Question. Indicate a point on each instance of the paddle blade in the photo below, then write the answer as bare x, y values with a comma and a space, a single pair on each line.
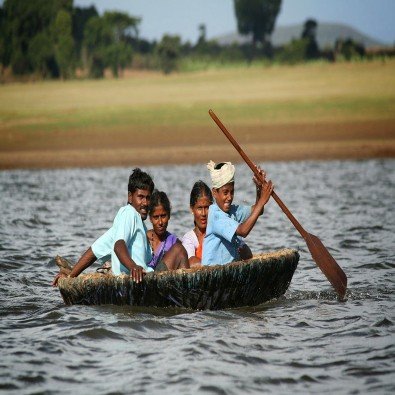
327, 264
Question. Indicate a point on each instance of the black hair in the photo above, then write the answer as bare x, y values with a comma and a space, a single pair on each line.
159, 198
219, 165
140, 180
199, 190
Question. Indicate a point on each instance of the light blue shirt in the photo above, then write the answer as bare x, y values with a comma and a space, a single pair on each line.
128, 226
220, 245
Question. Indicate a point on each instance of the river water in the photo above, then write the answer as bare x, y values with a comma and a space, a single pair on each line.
304, 342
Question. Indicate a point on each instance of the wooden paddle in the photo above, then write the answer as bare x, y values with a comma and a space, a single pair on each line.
320, 254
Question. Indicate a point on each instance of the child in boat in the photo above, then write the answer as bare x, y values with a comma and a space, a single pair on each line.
227, 222
200, 200
161, 241
199, 203
126, 241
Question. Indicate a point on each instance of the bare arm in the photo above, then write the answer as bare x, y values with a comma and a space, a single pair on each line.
194, 261
245, 228
86, 260
259, 185
136, 271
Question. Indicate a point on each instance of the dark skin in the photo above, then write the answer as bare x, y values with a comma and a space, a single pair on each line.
224, 198
160, 220
136, 271
139, 199
176, 257
200, 213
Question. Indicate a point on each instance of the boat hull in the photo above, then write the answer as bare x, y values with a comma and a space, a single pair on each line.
246, 283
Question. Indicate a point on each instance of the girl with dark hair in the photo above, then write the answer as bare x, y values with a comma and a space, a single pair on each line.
160, 239
126, 244
199, 203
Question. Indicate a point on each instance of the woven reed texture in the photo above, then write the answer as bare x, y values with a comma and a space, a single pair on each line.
245, 283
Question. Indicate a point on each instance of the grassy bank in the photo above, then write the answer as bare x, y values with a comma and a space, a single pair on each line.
280, 104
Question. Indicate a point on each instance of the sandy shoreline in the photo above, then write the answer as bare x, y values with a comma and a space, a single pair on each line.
167, 144
304, 112
191, 154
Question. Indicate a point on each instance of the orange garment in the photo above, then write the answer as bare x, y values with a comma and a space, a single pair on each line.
199, 251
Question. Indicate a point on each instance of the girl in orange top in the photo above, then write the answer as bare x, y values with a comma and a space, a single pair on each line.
200, 200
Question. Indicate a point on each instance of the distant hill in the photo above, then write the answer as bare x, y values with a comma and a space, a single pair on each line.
327, 34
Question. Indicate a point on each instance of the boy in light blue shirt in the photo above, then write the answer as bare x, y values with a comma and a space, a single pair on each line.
228, 223
126, 241
128, 225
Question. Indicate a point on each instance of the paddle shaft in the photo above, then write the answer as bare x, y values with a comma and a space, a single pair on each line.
319, 253
252, 166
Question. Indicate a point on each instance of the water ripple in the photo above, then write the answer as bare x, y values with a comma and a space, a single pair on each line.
304, 342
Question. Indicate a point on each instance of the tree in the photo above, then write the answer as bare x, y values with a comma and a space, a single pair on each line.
349, 49
123, 25
64, 44
309, 34
202, 35
41, 54
25, 20
107, 42
294, 52
97, 38
118, 56
4, 46
124, 29
168, 52
302, 49
257, 17
80, 17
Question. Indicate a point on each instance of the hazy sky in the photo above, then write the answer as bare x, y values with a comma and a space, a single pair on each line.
373, 17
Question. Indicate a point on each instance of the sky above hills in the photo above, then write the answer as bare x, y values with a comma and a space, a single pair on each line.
182, 17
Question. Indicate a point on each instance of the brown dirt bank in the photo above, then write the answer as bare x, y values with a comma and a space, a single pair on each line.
164, 145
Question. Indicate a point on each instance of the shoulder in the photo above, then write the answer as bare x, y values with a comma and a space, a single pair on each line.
237, 209
190, 238
127, 216
172, 237
215, 211
127, 210
190, 235
213, 208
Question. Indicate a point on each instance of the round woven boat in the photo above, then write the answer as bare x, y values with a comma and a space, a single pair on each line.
245, 283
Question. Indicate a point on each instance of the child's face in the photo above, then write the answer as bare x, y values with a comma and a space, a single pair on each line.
224, 196
159, 219
140, 199
200, 212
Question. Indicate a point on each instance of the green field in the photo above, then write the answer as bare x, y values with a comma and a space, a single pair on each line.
259, 102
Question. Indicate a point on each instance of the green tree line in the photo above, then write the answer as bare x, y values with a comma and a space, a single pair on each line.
54, 39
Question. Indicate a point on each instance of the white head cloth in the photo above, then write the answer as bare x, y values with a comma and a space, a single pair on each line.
220, 177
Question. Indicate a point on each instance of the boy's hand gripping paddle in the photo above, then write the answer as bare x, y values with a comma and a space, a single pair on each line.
320, 254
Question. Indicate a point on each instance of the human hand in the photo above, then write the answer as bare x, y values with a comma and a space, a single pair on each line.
136, 273
266, 191
56, 279
259, 182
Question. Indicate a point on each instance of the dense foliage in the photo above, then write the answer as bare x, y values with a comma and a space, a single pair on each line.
257, 17
54, 39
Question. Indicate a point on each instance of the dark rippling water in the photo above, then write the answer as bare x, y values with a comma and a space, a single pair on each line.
304, 342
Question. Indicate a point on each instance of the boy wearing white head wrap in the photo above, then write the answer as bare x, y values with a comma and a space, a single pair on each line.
221, 174
227, 223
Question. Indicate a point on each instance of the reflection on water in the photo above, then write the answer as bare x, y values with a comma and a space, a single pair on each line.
305, 342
